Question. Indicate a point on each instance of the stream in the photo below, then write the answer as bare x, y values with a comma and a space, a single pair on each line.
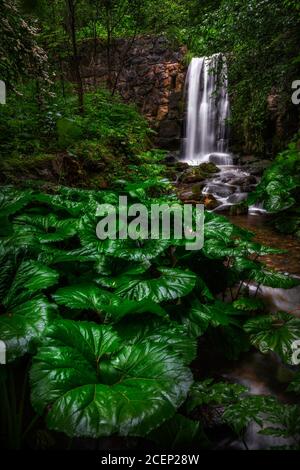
204, 149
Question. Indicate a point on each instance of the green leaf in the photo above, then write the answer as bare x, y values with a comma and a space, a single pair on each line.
30, 277
250, 409
286, 419
274, 332
85, 297
89, 385
159, 332
171, 284
51, 255
248, 304
46, 228
216, 314
180, 432
61, 203
92, 297
207, 392
13, 200
131, 250
22, 326
120, 308
272, 279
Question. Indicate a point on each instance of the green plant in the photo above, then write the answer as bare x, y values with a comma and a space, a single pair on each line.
279, 190
126, 312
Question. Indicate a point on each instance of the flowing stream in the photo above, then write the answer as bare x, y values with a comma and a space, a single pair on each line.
206, 140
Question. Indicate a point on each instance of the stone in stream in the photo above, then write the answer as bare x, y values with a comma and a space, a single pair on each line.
219, 190
210, 202
208, 168
194, 174
197, 190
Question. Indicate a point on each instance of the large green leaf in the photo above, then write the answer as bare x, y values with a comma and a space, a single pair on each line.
92, 297
61, 203
283, 421
160, 332
216, 248
272, 279
218, 227
169, 284
30, 277
275, 332
91, 386
22, 326
50, 255
219, 313
46, 228
85, 297
12, 200
131, 250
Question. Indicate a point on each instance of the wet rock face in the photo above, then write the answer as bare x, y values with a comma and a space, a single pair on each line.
150, 74
254, 165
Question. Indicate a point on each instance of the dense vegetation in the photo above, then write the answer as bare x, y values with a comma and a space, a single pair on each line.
279, 190
109, 328
107, 338
261, 49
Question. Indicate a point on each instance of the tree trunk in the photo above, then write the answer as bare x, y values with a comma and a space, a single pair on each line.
75, 58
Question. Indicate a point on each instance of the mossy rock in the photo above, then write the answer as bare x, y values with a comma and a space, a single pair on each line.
192, 175
181, 166
208, 168
210, 202
197, 189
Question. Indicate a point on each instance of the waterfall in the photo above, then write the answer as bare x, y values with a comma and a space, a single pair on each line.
207, 111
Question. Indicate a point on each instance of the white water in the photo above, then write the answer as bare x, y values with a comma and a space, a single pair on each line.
207, 130
207, 111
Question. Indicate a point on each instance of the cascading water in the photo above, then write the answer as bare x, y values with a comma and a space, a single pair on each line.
207, 130
207, 111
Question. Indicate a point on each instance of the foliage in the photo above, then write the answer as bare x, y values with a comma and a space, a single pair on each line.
262, 56
207, 392
28, 126
279, 190
132, 389
274, 333
126, 312
20, 52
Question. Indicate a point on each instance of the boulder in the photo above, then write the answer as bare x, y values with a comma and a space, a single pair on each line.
181, 166
208, 168
210, 202
197, 190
